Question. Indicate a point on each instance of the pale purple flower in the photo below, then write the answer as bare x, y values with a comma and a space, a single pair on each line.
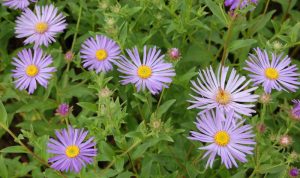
63, 110
40, 27
17, 4
32, 67
275, 74
72, 152
225, 91
152, 72
236, 3
225, 137
99, 53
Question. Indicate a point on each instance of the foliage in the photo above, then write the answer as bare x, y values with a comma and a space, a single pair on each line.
139, 134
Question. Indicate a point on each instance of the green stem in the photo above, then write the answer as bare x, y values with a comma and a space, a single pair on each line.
77, 27
266, 7
226, 43
286, 13
124, 153
66, 76
16, 139
160, 98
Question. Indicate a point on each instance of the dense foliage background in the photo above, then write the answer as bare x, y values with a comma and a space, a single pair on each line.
139, 134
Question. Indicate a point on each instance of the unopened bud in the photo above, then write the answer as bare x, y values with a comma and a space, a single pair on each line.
69, 56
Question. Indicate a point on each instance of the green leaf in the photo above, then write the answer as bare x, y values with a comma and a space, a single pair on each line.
107, 153
217, 11
164, 107
126, 174
14, 149
3, 168
88, 106
140, 150
237, 44
45, 105
140, 97
147, 165
3, 114
119, 164
268, 168
260, 22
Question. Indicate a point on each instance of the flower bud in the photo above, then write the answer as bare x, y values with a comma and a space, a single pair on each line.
261, 128
265, 98
105, 92
285, 140
69, 56
174, 54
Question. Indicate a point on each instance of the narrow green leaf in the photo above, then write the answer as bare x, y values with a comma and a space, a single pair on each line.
88, 106
3, 168
164, 107
237, 44
140, 97
3, 114
268, 168
260, 22
217, 11
14, 149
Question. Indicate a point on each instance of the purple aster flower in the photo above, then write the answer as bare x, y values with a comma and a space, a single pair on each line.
32, 66
63, 110
225, 91
294, 172
40, 27
151, 73
17, 4
275, 74
71, 151
236, 3
227, 138
99, 53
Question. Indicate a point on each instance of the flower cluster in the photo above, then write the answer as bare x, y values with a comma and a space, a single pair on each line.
40, 27
224, 98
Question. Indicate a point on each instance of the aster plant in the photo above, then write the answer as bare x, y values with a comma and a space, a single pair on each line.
99, 53
32, 67
225, 91
17, 4
40, 26
152, 72
275, 72
71, 151
225, 137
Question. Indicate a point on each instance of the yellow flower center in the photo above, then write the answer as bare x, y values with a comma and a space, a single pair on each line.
223, 97
32, 70
72, 151
271, 73
144, 72
41, 27
222, 138
101, 54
